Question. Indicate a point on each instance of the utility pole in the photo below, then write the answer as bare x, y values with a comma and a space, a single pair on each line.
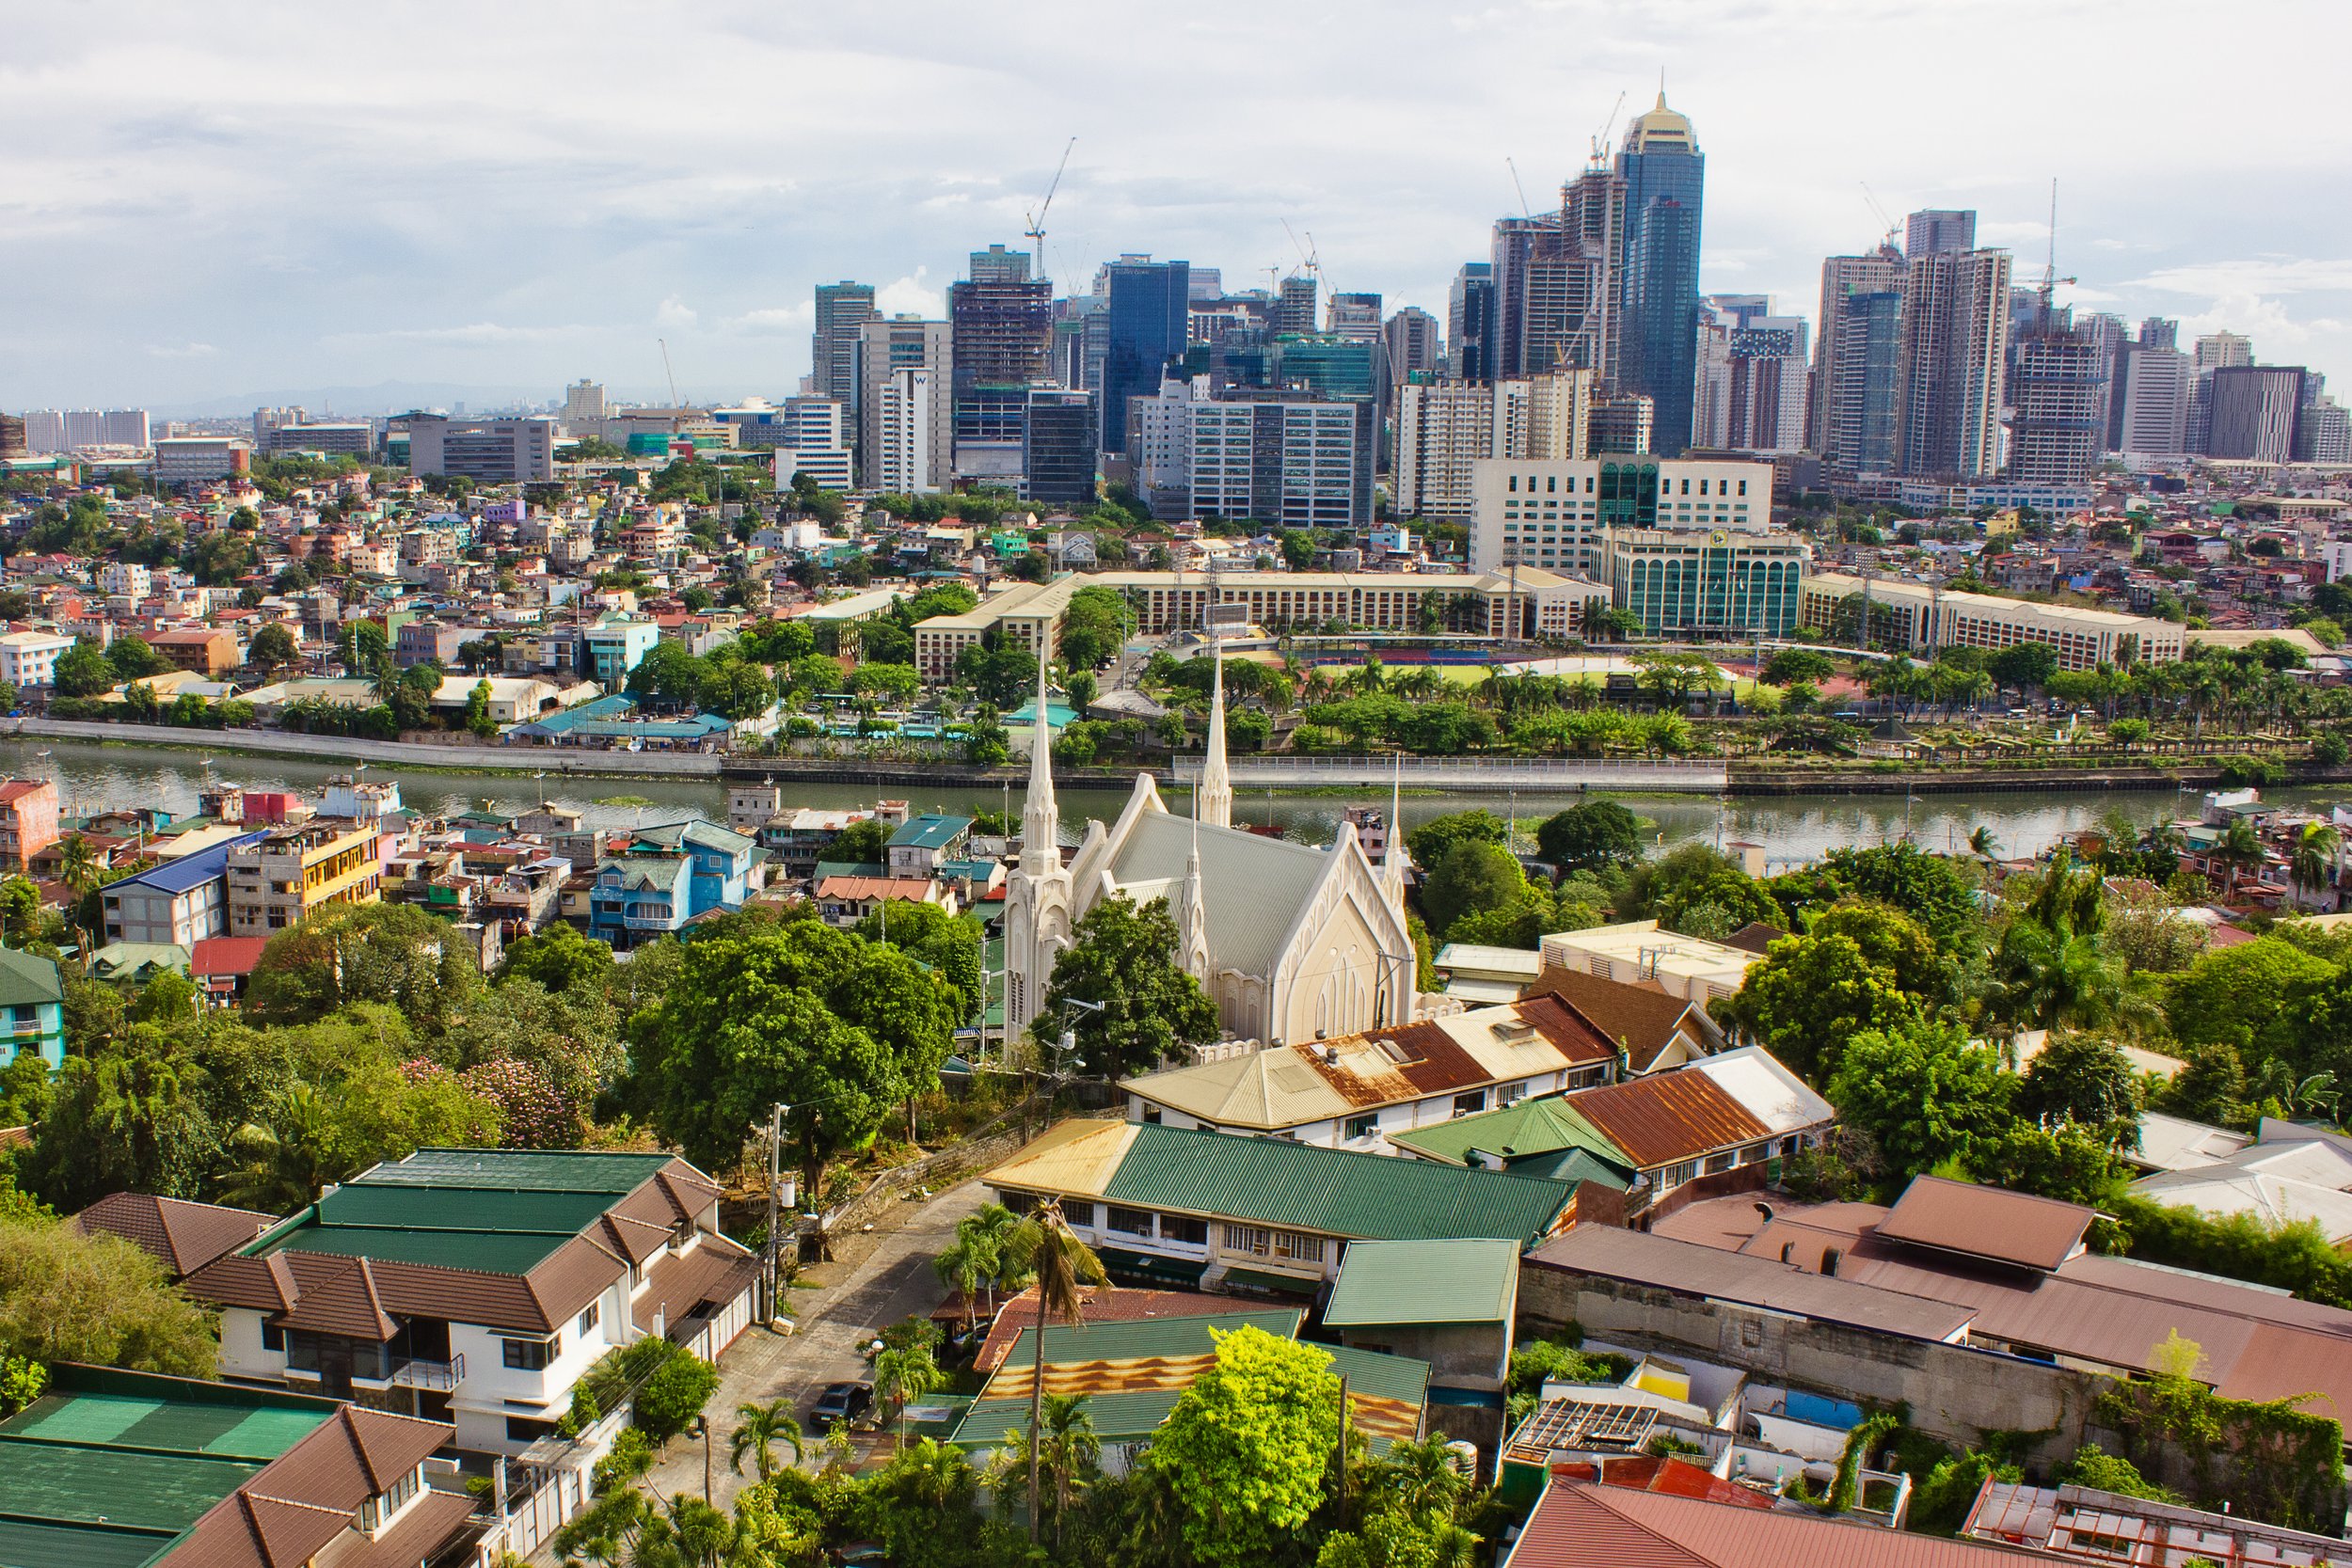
775, 1175
1342, 1446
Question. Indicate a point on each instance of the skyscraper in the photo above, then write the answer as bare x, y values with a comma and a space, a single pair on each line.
1412, 339
2059, 411
2157, 381
1057, 448
1954, 355
1664, 176
1751, 382
1855, 363
1001, 328
2255, 411
1926, 233
1355, 316
843, 309
1150, 323
1470, 323
1294, 307
916, 443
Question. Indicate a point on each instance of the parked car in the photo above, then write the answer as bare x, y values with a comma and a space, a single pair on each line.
840, 1402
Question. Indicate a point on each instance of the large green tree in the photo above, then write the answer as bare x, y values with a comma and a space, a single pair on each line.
836, 1028
1925, 1094
65, 1296
1430, 842
1122, 958
931, 935
1595, 833
1248, 1448
1812, 995
1473, 877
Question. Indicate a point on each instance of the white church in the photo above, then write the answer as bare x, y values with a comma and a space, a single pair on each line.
1291, 942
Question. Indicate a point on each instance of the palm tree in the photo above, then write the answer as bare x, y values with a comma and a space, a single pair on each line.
904, 1375
2312, 866
286, 1162
1071, 1452
1422, 1477
2238, 848
1982, 844
759, 1428
1045, 1243
77, 863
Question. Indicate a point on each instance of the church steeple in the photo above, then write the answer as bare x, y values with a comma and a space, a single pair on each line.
1041, 819
1213, 803
1192, 914
1392, 857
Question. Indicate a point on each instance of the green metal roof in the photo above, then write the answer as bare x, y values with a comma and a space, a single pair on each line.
1377, 1376
1371, 1196
1425, 1282
110, 1470
24, 979
1137, 1338
520, 1170
932, 830
1538, 1126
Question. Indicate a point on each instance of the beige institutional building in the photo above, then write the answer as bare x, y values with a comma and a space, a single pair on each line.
1924, 618
1290, 942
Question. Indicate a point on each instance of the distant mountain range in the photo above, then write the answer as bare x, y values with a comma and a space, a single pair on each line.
387, 397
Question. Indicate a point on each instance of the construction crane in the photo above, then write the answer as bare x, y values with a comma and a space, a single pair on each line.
1886, 224
1307, 257
1513, 168
1036, 231
668, 371
1600, 140
2050, 280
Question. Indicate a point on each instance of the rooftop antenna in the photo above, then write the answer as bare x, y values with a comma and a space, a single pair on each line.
1513, 168
1036, 230
668, 371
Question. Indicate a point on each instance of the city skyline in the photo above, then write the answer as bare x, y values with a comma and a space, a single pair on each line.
250, 212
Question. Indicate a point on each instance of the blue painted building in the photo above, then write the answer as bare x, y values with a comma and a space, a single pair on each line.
666, 876
32, 1008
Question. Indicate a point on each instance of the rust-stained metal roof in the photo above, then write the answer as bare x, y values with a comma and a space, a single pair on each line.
1667, 1118
1990, 1223
1097, 1304
1580, 1525
1679, 1478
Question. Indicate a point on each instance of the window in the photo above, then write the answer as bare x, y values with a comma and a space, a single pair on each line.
531, 1355
1152, 1115
1513, 1093
1131, 1222
524, 1428
1248, 1239
588, 1318
379, 1508
1675, 1176
1470, 1103
1717, 1163
273, 1337
1185, 1228
1360, 1127
1080, 1211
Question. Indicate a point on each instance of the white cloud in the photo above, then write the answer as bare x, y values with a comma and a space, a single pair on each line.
2286, 275
674, 314
181, 351
776, 321
909, 297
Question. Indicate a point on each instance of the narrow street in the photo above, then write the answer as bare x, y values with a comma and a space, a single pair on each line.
876, 1279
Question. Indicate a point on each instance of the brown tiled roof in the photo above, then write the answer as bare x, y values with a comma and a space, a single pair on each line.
566, 1281
716, 1270
311, 1494
1644, 1016
183, 1236
1754, 937
1098, 1304
1668, 1118
342, 1300
1987, 1222
425, 1527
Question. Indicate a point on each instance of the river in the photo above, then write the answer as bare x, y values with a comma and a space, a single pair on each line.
1794, 829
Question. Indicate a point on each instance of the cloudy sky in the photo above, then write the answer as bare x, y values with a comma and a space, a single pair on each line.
203, 203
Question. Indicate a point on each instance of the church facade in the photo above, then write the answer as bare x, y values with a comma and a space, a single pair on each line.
1291, 942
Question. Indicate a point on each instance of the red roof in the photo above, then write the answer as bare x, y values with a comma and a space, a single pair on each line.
225, 956
1642, 1472
1578, 1524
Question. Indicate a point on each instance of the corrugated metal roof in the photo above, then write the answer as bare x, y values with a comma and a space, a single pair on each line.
1666, 1120
1275, 1181
1578, 1523
1425, 1282
1987, 1222
1637, 1258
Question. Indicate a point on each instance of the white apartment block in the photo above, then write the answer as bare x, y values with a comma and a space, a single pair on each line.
1925, 618
492, 451
1444, 428
29, 659
906, 413
1552, 514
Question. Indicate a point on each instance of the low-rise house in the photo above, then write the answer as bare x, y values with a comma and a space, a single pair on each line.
923, 844
721, 863
1480, 976
2082, 1524
1448, 1303
32, 1003
111, 1468
221, 965
843, 902
1712, 1128
1363, 1091
1655, 1029
206, 650
1165, 1206
2280, 1179
29, 820
478, 1285
636, 898
282, 877
1581, 1523
1689, 967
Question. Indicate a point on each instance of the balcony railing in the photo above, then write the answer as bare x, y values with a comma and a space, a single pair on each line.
418, 1372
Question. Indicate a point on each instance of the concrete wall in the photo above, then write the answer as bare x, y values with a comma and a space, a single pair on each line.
1953, 1392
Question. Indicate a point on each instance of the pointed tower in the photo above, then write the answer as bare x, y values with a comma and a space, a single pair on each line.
1213, 801
1038, 894
1393, 858
1192, 915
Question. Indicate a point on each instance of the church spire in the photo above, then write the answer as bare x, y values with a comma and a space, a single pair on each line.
1041, 819
1192, 911
1213, 803
1392, 851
